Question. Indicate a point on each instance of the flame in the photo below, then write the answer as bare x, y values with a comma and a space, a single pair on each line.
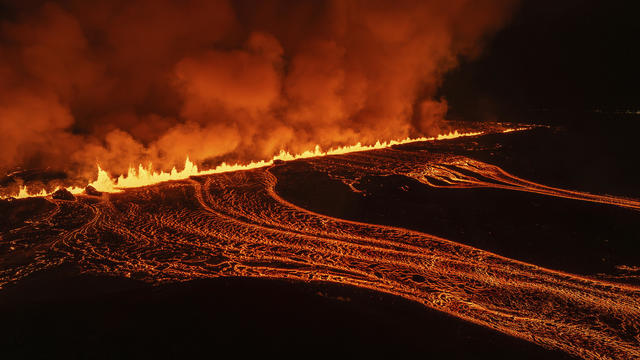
24, 192
146, 176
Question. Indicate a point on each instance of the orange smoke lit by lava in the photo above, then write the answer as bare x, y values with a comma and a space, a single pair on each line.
138, 82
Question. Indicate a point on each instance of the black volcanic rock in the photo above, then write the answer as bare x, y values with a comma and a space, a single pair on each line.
15, 212
96, 315
90, 190
63, 194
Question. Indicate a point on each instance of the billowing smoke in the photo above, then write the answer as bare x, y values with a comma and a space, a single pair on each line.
127, 82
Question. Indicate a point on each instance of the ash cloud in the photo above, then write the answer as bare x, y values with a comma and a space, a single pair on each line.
127, 82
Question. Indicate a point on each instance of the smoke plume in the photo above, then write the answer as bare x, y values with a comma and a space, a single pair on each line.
125, 82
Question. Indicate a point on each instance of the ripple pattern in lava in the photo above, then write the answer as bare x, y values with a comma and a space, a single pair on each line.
237, 224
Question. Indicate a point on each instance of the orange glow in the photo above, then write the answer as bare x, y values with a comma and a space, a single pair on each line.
289, 77
238, 224
143, 176
449, 174
25, 193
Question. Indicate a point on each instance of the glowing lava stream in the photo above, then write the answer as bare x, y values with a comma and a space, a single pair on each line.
448, 174
145, 176
238, 224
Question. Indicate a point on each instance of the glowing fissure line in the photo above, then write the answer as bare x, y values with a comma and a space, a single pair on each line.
146, 176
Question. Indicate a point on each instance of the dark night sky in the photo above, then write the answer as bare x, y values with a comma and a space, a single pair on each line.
568, 56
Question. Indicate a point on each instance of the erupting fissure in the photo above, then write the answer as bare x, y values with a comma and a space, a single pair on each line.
146, 176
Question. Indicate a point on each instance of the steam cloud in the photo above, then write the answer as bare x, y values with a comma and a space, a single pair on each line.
128, 82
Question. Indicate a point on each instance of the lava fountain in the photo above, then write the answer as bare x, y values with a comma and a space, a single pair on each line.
143, 176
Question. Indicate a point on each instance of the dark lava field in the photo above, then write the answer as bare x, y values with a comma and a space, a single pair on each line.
520, 244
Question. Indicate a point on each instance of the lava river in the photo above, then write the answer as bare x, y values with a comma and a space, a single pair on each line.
237, 224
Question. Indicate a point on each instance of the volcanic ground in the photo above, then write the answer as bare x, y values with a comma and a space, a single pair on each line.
497, 245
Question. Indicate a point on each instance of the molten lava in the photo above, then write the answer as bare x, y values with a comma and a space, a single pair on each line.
235, 223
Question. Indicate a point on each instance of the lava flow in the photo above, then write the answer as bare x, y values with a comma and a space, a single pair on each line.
237, 224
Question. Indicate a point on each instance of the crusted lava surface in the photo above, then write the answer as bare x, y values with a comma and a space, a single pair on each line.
347, 252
